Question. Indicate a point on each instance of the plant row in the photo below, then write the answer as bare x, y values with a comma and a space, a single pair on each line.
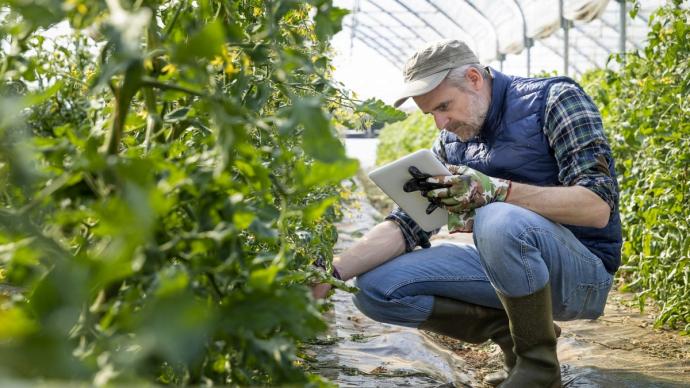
169, 173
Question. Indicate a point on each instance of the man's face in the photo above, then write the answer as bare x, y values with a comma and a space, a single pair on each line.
456, 110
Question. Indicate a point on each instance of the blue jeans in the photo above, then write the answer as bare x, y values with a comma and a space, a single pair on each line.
516, 252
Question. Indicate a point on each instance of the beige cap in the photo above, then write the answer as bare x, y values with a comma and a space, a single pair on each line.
431, 64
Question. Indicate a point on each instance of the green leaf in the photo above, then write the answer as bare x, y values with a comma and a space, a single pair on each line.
171, 281
635, 10
319, 173
314, 211
380, 111
15, 324
263, 278
263, 231
328, 20
242, 219
178, 114
207, 43
37, 98
175, 328
11, 107
318, 138
40, 13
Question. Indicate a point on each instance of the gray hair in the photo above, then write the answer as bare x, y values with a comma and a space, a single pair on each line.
457, 76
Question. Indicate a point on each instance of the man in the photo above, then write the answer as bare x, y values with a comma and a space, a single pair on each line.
534, 176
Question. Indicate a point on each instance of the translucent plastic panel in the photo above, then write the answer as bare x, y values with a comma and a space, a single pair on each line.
507, 21
584, 10
542, 17
470, 25
474, 20
398, 27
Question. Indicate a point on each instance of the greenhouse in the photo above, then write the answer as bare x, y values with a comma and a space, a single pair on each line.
516, 36
321, 193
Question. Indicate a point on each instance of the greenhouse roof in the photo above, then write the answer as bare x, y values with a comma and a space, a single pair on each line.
520, 36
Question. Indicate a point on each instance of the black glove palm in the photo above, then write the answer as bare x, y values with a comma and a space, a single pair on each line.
419, 183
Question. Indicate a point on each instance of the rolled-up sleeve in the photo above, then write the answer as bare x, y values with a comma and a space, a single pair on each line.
414, 235
575, 131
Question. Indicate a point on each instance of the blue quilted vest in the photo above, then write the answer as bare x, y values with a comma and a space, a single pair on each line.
512, 145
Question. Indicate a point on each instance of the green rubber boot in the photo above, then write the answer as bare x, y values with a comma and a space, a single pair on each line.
506, 344
534, 336
479, 324
474, 324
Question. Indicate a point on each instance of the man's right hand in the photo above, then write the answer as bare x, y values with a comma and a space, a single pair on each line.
319, 291
377, 246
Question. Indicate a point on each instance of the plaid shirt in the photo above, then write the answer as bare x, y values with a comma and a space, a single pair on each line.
575, 132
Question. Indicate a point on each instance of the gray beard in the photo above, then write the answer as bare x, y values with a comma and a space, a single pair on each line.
467, 130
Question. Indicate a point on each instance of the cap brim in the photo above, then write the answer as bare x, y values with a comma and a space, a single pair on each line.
420, 86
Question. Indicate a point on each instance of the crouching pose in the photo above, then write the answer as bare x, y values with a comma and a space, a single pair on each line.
533, 179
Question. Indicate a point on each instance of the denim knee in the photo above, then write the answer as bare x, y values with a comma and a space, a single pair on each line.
370, 299
503, 235
497, 226
375, 301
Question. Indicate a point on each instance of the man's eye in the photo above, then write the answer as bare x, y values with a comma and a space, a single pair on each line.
443, 107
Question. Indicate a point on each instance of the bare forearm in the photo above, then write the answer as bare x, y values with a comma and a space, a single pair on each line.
574, 205
379, 245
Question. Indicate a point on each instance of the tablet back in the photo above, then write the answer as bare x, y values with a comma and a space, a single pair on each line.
391, 178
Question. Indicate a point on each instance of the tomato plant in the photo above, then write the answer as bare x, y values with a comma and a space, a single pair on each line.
645, 108
169, 171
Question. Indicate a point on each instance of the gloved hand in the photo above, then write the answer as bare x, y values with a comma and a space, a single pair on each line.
467, 189
460, 193
419, 182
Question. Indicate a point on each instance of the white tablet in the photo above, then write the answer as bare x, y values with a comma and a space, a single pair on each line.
391, 178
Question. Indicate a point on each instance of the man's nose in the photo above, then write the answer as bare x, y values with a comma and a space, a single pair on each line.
441, 120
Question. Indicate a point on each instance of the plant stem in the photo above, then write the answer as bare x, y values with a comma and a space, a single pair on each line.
147, 81
153, 119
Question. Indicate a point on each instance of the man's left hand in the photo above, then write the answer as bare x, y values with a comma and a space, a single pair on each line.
467, 189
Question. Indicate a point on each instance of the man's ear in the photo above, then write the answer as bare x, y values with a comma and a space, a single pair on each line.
474, 78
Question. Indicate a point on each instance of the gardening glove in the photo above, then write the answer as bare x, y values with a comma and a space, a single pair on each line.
467, 189
457, 222
419, 182
461, 193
